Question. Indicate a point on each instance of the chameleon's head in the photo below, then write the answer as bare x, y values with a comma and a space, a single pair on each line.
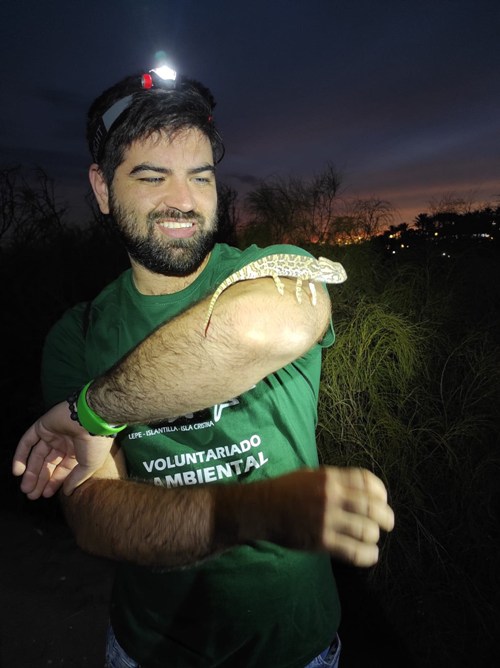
331, 272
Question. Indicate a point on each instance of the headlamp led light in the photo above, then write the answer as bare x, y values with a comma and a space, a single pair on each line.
160, 77
164, 73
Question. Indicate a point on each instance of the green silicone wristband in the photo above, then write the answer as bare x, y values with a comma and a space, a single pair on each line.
90, 421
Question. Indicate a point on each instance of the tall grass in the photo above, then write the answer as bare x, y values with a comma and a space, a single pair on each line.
411, 390
367, 385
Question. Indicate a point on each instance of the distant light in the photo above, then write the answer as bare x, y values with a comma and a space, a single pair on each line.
166, 73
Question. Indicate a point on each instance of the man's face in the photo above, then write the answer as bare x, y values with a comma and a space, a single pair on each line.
163, 200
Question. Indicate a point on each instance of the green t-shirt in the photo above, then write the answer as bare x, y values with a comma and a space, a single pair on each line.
258, 604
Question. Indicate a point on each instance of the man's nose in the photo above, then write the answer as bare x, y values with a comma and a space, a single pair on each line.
179, 196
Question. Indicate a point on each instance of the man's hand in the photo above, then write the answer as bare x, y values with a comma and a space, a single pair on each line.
355, 512
57, 451
338, 510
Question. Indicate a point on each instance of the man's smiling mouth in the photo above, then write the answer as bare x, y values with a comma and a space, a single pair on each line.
176, 225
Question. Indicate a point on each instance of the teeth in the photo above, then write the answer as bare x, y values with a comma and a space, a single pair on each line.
176, 226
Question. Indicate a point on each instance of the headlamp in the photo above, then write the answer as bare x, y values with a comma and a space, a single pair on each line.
160, 77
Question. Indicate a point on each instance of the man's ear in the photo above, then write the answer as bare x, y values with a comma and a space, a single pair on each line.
100, 187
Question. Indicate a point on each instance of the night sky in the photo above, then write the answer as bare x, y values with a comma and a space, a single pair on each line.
403, 98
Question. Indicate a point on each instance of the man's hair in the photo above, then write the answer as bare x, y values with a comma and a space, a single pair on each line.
187, 104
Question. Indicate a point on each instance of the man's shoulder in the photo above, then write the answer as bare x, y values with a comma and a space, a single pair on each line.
76, 317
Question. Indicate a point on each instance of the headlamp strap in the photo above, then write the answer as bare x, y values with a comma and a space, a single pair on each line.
114, 111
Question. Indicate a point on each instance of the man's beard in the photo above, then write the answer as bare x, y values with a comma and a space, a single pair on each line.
174, 257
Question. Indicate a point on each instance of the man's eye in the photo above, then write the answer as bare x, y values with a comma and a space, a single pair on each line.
152, 179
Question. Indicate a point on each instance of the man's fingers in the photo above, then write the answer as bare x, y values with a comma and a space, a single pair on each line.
30, 485
22, 452
356, 511
355, 526
18, 466
44, 460
362, 480
58, 476
360, 492
352, 551
352, 537
35, 471
373, 508
42, 476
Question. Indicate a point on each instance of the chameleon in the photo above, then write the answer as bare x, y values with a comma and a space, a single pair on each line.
301, 267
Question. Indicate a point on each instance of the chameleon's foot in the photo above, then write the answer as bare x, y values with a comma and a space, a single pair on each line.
279, 284
298, 290
312, 288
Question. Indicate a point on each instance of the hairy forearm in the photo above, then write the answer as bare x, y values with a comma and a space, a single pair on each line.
168, 528
178, 369
141, 523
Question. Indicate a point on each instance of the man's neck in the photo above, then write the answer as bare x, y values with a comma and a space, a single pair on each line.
150, 283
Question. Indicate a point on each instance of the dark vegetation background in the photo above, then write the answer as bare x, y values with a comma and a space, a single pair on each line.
410, 390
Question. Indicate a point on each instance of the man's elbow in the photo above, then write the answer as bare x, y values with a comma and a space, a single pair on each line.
324, 313
284, 327
304, 323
